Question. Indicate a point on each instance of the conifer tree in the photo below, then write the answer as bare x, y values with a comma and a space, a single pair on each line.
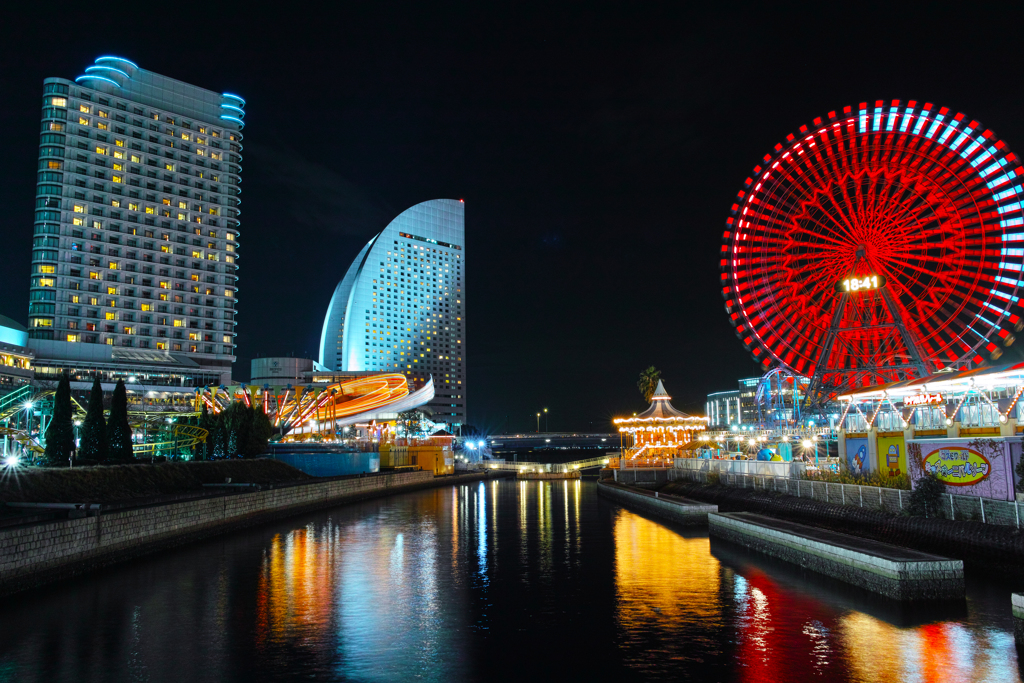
94, 429
204, 451
60, 435
119, 432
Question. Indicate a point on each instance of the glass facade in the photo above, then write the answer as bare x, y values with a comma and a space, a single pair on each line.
401, 306
136, 225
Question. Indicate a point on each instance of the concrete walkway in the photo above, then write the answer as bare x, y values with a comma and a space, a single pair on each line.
673, 508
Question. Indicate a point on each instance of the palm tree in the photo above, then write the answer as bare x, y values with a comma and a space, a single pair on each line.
648, 382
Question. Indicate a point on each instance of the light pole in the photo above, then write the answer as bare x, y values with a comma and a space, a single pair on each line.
546, 420
538, 423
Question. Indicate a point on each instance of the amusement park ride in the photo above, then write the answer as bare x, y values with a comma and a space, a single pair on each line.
879, 244
318, 411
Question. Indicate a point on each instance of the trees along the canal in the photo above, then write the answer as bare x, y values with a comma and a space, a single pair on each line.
204, 450
94, 430
648, 382
240, 431
60, 435
119, 432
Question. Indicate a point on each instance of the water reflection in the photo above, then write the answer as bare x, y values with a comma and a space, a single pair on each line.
490, 581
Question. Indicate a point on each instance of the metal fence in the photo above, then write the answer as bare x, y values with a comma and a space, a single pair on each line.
985, 510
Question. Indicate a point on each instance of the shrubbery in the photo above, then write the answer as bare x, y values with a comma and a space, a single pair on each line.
901, 481
926, 500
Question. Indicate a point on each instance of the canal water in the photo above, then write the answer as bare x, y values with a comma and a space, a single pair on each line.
495, 581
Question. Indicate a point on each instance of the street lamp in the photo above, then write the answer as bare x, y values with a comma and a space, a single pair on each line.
545, 419
538, 423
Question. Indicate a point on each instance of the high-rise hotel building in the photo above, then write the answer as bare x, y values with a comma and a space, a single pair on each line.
136, 221
401, 307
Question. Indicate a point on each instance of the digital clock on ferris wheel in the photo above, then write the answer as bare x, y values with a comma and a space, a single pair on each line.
858, 284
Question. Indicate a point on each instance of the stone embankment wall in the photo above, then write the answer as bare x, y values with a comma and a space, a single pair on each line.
987, 546
972, 508
34, 554
680, 511
897, 573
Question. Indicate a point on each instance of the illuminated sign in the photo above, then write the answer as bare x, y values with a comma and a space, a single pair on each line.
957, 466
856, 284
923, 400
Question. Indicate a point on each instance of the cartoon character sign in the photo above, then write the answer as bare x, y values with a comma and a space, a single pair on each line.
857, 456
892, 455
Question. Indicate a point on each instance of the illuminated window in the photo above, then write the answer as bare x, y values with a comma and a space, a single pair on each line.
228, 292
165, 248
119, 143
136, 159
150, 209
46, 282
211, 245
164, 284
163, 297
93, 301
195, 277
98, 225
78, 208
230, 247
47, 269
101, 125
82, 121
118, 179
74, 299
179, 323
161, 346
182, 217
185, 136
72, 337
129, 330
227, 339
132, 206
201, 152
111, 290
58, 101
112, 303
147, 307
231, 236
54, 165
109, 341
101, 150
111, 315
118, 167
169, 167
42, 322
194, 336
116, 203
112, 265
101, 113
197, 254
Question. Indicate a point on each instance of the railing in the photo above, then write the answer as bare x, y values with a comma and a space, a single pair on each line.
986, 510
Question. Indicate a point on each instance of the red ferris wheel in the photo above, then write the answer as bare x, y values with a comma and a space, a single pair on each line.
883, 243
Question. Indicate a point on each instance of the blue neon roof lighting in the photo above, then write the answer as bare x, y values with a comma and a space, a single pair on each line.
107, 68
117, 59
232, 118
231, 106
96, 78
236, 97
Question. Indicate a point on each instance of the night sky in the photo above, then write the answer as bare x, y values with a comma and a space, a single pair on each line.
597, 146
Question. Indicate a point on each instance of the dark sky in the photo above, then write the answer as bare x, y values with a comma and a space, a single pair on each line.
598, 147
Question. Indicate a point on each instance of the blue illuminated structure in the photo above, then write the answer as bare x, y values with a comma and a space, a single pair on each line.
401, 306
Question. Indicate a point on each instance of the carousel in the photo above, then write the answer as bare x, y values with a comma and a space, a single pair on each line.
659, 434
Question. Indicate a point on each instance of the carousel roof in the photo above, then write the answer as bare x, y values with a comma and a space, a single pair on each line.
661, 409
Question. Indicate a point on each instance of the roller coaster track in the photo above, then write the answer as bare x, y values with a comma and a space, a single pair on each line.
185, 436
